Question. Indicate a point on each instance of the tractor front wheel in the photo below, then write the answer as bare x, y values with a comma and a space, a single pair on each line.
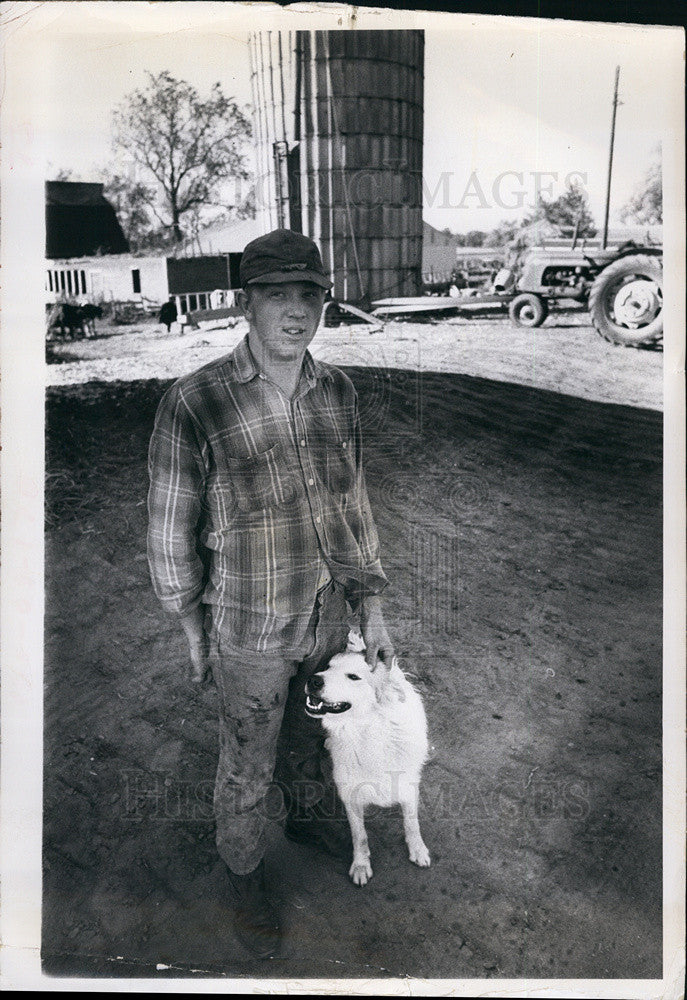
528, 309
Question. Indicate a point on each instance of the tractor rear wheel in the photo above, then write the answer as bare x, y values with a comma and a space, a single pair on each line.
626, 301
527, 309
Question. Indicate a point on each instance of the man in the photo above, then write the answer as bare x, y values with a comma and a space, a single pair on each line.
260, 540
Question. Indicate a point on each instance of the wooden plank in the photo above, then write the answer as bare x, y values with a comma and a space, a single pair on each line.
201, 315
360, 313
435, 303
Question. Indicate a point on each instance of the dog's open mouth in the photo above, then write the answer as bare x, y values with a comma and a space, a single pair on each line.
315, 706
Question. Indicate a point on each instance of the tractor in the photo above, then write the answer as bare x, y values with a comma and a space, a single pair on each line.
622, 287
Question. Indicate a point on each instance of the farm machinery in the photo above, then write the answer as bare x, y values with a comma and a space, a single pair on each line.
622, 287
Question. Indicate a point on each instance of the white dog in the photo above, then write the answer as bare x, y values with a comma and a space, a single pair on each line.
377, 738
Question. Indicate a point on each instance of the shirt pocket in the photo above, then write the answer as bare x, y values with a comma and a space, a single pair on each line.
340, 468
252, 484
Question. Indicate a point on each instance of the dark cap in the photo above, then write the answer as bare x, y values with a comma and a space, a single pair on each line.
281, 256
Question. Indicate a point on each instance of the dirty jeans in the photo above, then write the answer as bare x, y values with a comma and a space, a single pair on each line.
262, 713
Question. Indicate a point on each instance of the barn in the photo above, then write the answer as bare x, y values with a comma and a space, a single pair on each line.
88, 258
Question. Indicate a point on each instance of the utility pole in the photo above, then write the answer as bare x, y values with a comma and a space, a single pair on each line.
604, 241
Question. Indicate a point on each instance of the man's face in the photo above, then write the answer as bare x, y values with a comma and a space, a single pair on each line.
283, 318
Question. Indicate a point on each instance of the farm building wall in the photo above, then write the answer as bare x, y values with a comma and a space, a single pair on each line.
127, 278
338, 119
110, 278
201, 274
438, 254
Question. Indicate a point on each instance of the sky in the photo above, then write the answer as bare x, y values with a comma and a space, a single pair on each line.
511, 105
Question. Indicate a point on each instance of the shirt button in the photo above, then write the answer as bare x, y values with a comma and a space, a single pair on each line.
303, 443
311, 482
344, 444
318, 518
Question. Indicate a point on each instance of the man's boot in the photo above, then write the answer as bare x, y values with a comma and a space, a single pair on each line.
322, 827
256, 923
334, 840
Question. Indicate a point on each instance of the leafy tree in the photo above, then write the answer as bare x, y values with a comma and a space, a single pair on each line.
502, 235
247, 206
568, 210
186, 147
64, 174
475, 238
646, 203
131, 201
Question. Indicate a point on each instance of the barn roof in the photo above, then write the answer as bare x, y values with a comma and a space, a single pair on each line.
80, 221
224, 235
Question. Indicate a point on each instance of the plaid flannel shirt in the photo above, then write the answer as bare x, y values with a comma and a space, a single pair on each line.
251, 493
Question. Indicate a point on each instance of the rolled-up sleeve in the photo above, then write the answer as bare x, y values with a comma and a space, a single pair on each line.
177, 477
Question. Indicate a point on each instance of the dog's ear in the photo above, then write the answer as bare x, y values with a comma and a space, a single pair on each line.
388, 681
355, 642
397, 679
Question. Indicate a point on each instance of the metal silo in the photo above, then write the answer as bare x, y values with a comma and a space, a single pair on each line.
338, 119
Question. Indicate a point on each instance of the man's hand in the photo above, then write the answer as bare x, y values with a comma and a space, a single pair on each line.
375, 636
193, 625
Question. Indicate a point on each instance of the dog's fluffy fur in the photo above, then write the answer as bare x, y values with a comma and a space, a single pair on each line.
377, 738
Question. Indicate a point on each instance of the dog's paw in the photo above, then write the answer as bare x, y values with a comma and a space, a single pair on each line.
419, 855
360, 872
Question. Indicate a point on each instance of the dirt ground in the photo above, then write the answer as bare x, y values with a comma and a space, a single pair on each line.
515, 478
564, 355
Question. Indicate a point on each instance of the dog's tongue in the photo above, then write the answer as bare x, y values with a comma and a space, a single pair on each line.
318, 707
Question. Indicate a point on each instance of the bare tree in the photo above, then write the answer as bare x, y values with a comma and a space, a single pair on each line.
188, 146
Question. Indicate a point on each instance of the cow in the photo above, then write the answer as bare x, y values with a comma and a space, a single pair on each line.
90, 313
74, 320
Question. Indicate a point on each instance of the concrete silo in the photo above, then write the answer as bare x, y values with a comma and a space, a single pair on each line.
338, 119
